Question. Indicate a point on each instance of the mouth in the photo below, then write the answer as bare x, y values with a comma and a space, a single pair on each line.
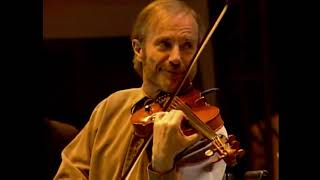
173, 74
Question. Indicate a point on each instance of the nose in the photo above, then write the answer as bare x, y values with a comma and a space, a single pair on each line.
175, 57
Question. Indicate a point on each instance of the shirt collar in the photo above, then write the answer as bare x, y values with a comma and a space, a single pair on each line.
142, 100
139, 101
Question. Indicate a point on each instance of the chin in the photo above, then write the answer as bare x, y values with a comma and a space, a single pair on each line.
168, 84
169, 87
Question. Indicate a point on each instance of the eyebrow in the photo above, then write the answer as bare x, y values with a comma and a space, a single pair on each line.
162, 38
168, 38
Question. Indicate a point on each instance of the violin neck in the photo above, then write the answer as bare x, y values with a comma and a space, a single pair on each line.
194, 120
200, 126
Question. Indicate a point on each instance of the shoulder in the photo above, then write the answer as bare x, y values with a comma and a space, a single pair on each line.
127, 95
121, 97
126, 92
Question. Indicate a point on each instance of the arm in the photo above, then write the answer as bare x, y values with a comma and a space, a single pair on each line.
168, 142
76, 155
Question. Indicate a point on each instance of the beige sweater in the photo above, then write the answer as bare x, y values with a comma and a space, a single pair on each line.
99, 150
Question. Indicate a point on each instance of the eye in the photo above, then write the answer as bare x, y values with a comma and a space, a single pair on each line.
164, 44
187, 46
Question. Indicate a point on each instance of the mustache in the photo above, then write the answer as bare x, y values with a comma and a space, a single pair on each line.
174, 70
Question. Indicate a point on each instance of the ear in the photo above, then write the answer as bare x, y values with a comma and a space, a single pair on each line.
137, 49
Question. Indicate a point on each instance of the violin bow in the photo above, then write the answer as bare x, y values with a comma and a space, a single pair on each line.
197, 54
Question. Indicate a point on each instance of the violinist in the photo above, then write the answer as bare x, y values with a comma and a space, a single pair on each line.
165, 37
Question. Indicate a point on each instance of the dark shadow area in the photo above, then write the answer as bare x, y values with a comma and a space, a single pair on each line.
247, 74
82, 72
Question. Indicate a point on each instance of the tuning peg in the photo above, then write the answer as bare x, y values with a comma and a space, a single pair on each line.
231, 137
235, 144
240, 153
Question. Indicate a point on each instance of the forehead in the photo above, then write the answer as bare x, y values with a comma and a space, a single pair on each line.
173, 24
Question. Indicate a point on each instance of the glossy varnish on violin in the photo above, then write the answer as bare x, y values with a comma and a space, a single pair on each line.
192, 100
202, 118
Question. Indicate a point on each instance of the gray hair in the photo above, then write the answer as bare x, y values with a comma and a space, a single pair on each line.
145, 17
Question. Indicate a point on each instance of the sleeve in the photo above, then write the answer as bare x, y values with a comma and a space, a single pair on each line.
205, 169
170, 175
76, 155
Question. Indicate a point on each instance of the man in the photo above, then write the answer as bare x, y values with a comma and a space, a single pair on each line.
164, 39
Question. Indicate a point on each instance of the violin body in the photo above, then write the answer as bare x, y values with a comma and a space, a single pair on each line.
207, 113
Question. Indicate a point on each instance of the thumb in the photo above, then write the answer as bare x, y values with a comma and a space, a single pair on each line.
193, 138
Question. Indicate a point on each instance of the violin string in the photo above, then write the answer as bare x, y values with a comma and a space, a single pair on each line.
219, 145
179, 105
194, 120
200, 126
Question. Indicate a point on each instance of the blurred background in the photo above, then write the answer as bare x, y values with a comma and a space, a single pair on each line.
87, 56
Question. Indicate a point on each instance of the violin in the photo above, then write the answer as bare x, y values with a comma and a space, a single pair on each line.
202, 117
188, 102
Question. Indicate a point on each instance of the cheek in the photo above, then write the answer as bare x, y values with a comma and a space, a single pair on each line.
187, 58
188, 55
155, 60
150, 66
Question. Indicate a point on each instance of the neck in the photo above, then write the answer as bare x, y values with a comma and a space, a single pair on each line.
150, 91
153, 92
